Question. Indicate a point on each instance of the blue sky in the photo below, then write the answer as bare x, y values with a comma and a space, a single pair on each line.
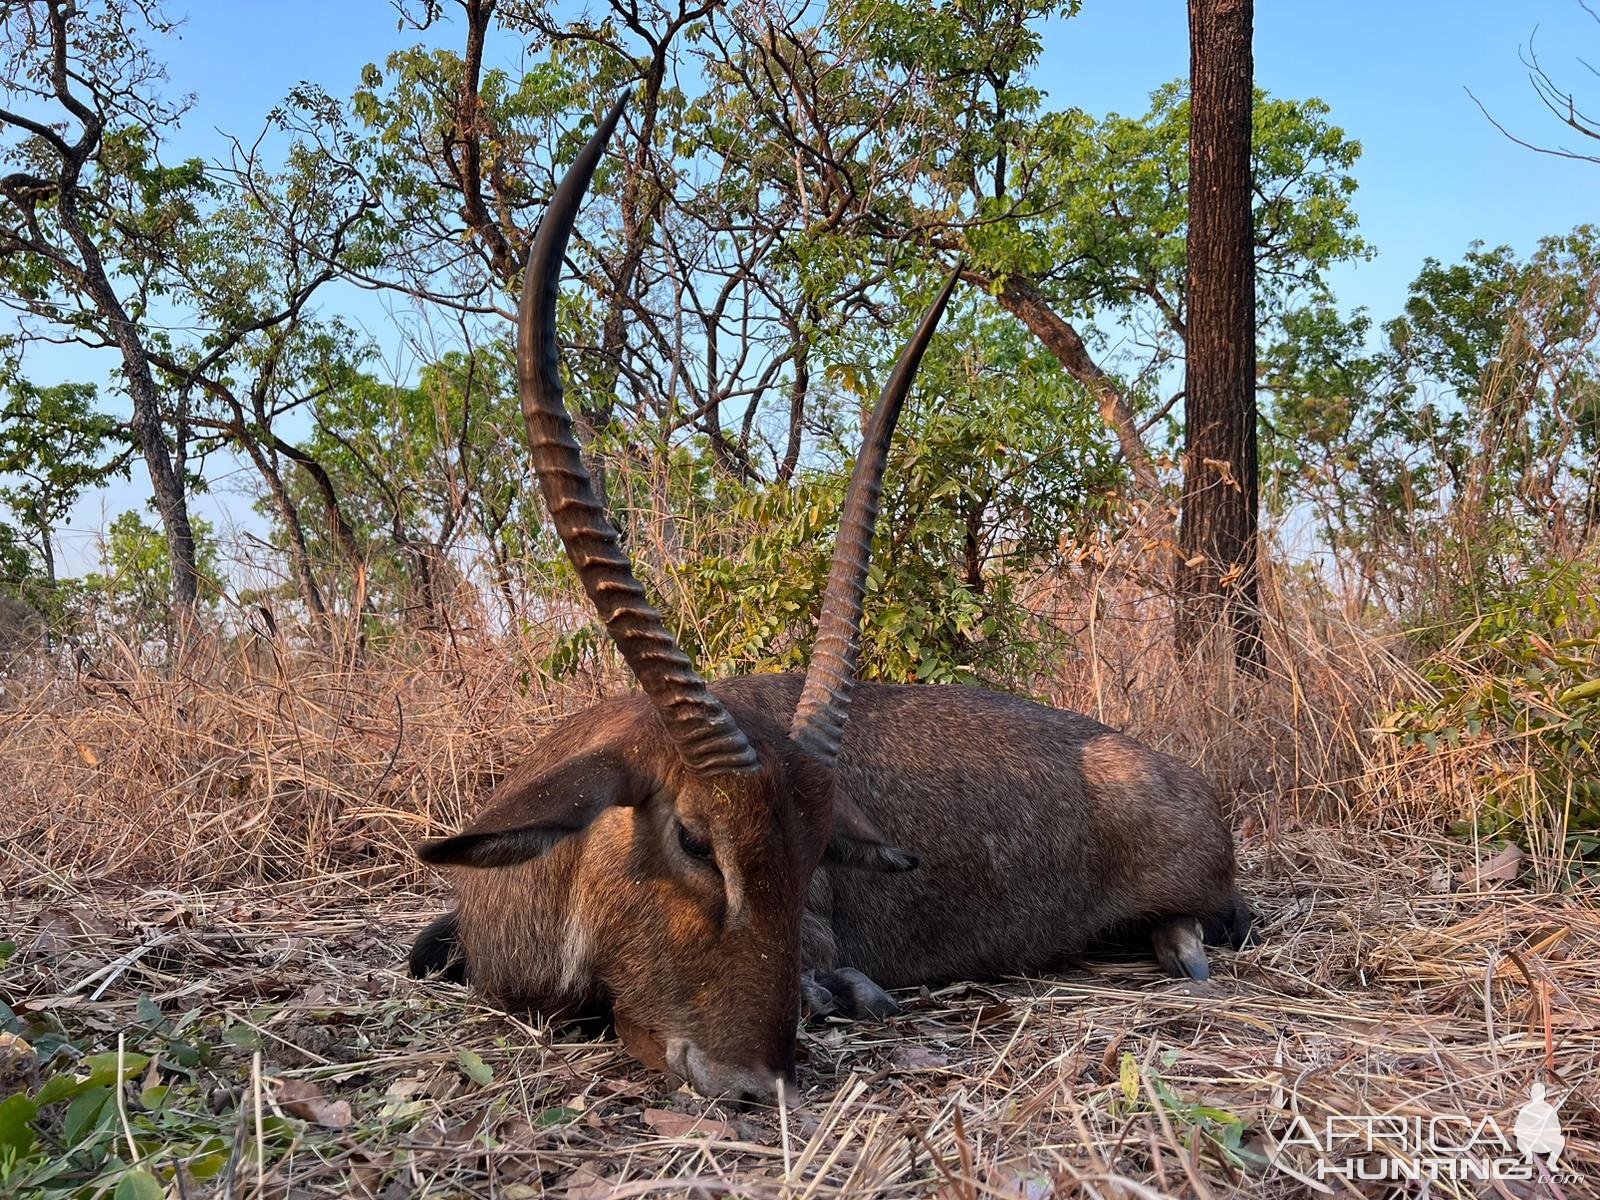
1435, 174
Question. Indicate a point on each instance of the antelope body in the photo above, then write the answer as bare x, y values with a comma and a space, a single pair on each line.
698, 859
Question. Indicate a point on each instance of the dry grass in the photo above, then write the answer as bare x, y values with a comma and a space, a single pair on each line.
231, 845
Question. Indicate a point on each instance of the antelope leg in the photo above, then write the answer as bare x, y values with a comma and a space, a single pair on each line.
845, 993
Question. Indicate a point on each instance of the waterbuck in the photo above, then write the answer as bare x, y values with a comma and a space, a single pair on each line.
700, 858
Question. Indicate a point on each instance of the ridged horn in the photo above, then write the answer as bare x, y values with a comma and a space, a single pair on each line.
707, 738
824, 707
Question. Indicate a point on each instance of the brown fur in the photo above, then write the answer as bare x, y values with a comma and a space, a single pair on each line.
1039, 832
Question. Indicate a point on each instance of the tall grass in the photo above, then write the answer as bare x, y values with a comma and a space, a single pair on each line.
257, 757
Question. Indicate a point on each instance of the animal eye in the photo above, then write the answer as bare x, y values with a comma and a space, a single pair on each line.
694, 847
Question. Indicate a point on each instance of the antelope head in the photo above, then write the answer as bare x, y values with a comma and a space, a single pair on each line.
676, 833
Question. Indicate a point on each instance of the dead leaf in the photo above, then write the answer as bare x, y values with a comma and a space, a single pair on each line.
1032, 1186
643, 1044
1113, 1054
587, 1184
517, 1132
1499, 868
991, 1013
306, 1101
369, 1169
405, 1089
42, 1003
918, 1058
19, 1064
316, 996
462, 1135
175, 916
671, 1124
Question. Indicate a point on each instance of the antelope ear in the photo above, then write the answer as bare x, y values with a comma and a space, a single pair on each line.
533, 810
856, 842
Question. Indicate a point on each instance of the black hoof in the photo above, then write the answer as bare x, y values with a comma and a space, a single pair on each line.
1180, 948
846, 993
436, 954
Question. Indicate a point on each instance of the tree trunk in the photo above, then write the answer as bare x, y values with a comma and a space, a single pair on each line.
47, 552
798, 391
1217, 536
343, 534
299, 553
1021, 297
56, 75
165, 482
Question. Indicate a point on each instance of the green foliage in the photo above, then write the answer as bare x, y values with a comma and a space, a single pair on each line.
55, 445
130, 205
1110, 205
18, 575
1202, 1127
1469, 435
996, 459
65, 1138
1523, 677
416, 467
1455, 316
173, 1101
133, 586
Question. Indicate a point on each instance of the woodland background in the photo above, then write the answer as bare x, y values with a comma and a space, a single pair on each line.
203, 712
788, 189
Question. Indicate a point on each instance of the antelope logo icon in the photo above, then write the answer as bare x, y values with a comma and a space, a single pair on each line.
1538, 1128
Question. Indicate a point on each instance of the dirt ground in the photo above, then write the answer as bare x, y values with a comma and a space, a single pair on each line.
273, 1046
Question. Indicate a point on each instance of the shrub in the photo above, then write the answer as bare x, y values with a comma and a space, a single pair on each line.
1522, 681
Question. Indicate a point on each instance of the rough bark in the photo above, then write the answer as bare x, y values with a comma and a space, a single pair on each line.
148, 435
299, 552
47, 552
1217, 536
798, 390
463, 147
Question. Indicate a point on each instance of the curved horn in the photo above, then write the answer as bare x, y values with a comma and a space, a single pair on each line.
824, 706
707, 738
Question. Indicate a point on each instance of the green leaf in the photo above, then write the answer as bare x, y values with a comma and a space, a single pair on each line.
111, 1067
82, 1114
242, 1036
139, 1184
474, 1068
1583, 691
60, 1087
150, 1015
17, 1137
209, 1163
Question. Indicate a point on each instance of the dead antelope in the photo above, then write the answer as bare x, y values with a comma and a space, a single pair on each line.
699, 858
